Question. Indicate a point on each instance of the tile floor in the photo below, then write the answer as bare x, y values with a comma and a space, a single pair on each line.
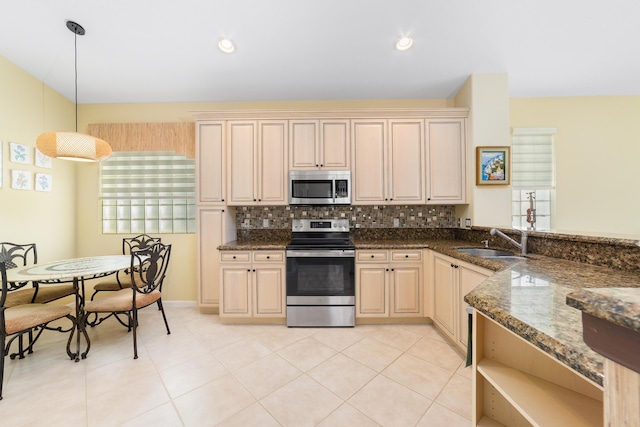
209, 374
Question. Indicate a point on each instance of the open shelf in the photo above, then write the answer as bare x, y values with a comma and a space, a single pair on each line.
489, 422
541, 402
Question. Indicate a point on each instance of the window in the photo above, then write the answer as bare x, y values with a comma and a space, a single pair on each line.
532, 177
147, 192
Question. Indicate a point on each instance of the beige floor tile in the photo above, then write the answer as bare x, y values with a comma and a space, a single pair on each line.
347, 416
254, 415
266, 375
372, 353
418, 375
117, 375
307, 353
339, 338
302, 402
465, 371
421, 329
456, 396
277, 337
395, 336
162, 416
389, 403
191, 374
241, 353
213, 402
342, 375
437, 352
173, 350
439, 416
113, 407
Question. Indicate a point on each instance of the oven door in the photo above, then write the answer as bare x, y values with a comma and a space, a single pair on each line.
320, 277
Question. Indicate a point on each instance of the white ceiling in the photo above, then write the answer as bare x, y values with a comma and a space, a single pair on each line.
166, 50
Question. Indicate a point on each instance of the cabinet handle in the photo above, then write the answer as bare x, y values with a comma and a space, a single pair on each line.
317, 165
223, 200
254, 200
393, 269
259, 200
406, 256
268, 257
234, 257
254, 270
249, 270
321, 165
372, 256
391, 199
428, 198
452, 265
387, 269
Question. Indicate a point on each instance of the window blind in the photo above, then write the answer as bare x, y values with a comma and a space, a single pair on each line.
532, 158
147, 175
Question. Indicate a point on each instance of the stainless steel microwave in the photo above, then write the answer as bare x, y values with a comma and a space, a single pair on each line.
319, 187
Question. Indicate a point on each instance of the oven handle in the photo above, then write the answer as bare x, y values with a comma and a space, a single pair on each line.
328, 253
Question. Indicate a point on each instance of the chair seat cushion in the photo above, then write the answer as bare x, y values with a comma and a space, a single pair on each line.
19, 297
26, 316
48, 293
121, 300
113, 285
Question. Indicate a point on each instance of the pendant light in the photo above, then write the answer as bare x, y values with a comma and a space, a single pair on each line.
73, 145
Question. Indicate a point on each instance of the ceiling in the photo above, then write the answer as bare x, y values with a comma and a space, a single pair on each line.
166, 50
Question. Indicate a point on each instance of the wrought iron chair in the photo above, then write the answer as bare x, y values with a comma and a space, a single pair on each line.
24, 318
147, 272
15, 255
122, 279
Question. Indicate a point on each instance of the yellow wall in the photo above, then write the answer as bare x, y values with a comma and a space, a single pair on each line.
597, 160
27, 108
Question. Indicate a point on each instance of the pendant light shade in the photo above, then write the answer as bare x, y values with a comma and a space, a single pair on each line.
73, 145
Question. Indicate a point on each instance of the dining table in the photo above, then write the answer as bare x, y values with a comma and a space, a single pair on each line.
77, 271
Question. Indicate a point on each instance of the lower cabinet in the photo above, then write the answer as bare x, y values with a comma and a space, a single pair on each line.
452, 280
389, 283
252, 284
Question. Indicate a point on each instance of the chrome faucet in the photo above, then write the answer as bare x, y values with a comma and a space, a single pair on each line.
486, 243
523, 239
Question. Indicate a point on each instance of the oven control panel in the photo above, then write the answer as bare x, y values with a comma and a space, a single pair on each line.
320, 225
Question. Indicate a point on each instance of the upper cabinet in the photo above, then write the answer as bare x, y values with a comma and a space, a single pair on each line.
446, 161
257, 152
319, 144
388, 161
210, 162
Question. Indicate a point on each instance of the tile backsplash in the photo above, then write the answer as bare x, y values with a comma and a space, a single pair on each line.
376, 216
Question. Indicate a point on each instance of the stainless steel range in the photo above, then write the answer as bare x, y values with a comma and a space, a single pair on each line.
320, 274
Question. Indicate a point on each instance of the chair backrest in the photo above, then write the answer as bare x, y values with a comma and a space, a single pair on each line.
142, 241
3, 296
14, 255
149, 267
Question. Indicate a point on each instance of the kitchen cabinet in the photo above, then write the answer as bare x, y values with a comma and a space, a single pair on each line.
388, 161
210, 162
517, 384
215, 226
452, 280
319, 144
252, 284
257, 153
446, 161
389, 283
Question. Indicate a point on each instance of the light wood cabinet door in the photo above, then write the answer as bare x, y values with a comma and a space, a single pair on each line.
444, 295
271, 176
446, 161
304, 138
406, 284
406, 162
210, 225
241, 151
469, 277
235, 292
210, 162
269, 291
335, 146
368, 153
372, 290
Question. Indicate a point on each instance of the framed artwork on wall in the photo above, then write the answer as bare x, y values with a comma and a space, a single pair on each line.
19, 153
21, 180
493, 165
43, 182
42, 160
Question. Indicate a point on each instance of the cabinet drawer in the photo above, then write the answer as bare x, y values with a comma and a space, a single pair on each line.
233, 256
268, 256
409, 255
374, 256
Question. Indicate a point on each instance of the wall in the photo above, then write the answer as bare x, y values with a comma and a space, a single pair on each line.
27, 108
597, 160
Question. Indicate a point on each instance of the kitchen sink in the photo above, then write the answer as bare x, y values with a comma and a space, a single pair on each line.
488, 253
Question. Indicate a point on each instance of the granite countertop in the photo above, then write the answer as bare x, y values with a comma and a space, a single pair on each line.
620, 306
529, 296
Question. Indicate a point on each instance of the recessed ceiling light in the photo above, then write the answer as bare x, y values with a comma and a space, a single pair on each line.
227, 45
404, 43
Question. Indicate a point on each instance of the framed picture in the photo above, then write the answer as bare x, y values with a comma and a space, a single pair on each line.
21, 180
43, 182
493, 165
42, 160
20, 153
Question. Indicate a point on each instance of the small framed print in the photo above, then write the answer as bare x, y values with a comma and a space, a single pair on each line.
43, 182
493, 165
21, 180
42, 160
20, 153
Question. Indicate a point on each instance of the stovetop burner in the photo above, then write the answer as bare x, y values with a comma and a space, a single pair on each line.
320, 234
